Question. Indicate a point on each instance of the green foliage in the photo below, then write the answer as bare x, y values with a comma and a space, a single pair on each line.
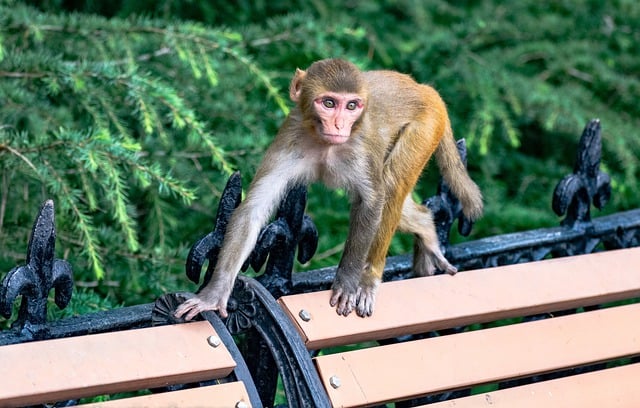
102, 115
132, 124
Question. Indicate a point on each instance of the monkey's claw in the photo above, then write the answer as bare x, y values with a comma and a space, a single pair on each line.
342, 301
194, 306
362, 300
366, 301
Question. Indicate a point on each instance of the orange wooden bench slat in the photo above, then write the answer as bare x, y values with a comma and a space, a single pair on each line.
611, 388
400, 371
445, 301
222, 395
97, 364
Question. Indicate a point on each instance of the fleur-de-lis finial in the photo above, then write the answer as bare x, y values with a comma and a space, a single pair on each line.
208, 247
37, 277
278, 241
574, 194
292, 229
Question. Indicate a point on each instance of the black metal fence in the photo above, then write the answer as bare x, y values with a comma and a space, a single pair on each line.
252, 310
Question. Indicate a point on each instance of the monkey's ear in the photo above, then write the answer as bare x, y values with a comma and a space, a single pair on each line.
296, 85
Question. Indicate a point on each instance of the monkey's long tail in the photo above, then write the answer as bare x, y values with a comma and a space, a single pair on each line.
455, 174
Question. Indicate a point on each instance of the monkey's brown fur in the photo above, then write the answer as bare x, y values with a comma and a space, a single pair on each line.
387, 126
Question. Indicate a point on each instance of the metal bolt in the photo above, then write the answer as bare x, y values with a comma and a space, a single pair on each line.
213, 341
335, 381
304, 315
242, 404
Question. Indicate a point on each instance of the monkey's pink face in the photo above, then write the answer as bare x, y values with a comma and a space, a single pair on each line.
337, 113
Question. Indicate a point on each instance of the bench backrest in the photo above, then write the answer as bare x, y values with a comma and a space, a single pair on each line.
92, 365
428, 366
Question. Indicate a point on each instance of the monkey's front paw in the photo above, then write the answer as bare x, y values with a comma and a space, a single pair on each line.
362, 299
366, 301
196, 305
343, 300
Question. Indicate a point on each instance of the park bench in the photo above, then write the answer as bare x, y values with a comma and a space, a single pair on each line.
538, 333
514, 329
93, 365
595, 343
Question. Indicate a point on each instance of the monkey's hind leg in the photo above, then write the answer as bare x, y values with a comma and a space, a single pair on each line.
427, 256
402, 167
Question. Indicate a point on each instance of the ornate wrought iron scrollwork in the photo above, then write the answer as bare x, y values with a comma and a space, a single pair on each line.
165, 306
242, 308
162, 314
291, 230
36, 278
277, 243
286, 349
574, 194
252, 309
208, 247
622, 238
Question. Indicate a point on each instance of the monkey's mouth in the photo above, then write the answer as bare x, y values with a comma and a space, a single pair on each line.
335, 139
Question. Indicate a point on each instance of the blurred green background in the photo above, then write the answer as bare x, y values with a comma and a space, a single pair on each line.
132, 114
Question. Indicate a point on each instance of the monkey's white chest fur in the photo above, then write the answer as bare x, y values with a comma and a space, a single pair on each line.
336, 167
328, 168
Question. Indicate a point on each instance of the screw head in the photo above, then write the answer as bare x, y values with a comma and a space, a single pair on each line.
304, 315
335, 382
213, 341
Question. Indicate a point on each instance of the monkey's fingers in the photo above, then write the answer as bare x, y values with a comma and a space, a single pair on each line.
346, 305
366, 301
448, 268
186, 309
192, 313
336, 293
193, 307
344, 302
222, 311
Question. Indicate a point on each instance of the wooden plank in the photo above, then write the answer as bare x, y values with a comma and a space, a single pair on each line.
611, 388
61, 369
422, 367
221, 395
445, 301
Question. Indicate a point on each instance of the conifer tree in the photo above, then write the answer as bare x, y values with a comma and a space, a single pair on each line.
132, 124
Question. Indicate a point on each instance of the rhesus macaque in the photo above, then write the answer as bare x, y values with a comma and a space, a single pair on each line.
370, 133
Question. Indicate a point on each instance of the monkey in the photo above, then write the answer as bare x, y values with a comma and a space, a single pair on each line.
370, 133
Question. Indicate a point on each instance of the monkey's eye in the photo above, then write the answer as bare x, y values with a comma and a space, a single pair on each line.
329, 103
352, 105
